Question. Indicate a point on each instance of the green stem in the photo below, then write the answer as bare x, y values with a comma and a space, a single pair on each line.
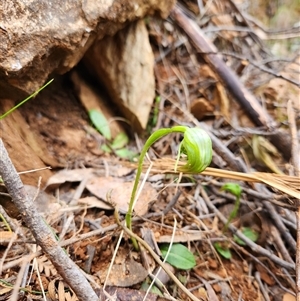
233, 213
23, 101
151, 140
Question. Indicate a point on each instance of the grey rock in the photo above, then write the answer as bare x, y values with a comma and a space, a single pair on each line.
39, 38
125, 64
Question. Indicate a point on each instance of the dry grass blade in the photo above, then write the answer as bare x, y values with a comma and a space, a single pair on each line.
284, 183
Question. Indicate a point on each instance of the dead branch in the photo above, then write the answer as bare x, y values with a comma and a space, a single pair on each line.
229, 79
255, 247
296, 164
41, 232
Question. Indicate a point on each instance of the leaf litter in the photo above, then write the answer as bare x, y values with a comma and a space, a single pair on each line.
248, 274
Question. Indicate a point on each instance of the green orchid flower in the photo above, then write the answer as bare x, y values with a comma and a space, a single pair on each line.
196, 145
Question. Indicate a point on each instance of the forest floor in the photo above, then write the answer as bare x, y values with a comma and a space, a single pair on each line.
87, 183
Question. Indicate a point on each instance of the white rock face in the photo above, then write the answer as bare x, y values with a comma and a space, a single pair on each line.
125, 64
39, 38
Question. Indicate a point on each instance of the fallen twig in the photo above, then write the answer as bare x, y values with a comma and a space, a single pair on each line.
157, 259
41, 232
247, 100
296, 164
255, 247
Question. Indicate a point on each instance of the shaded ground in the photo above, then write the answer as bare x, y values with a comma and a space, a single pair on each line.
188, 88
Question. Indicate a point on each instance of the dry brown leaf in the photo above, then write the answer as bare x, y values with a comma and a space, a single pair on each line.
65, 175
52, 290
125, 275
5, 237
183, 237
264, 275
117, 192
288, 297
5, 290
201, 107
94, 202
262, 150
46, 266
223, 100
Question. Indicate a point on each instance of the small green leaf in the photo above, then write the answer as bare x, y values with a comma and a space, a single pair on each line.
156, 110
182, 278
233, 188
249, 233
154, 289
125, 153
179, 256
120, 141
236, 190
100, 123
106, 148
223, 251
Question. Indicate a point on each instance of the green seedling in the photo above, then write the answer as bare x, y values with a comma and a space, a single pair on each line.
179, 256
154, 115
249, 233
223, 250
197, 146
154, 289
236, 190
100, 123
117, 145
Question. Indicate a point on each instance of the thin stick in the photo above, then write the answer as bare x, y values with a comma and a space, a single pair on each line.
156, 258
111, 265
165, 259
41, 232
296, 163
255, 247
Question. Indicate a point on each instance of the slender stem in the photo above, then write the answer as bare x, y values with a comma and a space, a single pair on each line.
23, 101
233, 213
151, 140
157, 259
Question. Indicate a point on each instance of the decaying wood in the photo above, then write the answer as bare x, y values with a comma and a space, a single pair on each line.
41, 232
229, 79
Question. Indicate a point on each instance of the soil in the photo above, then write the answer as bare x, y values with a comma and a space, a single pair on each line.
65, 139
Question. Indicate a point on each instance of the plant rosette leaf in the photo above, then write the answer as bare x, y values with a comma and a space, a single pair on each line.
100, 123
125, 153
249, 233
223, 251
154, 289
120, 141
179, 256
232, 188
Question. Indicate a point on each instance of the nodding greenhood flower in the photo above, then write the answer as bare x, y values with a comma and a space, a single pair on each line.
197, 145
